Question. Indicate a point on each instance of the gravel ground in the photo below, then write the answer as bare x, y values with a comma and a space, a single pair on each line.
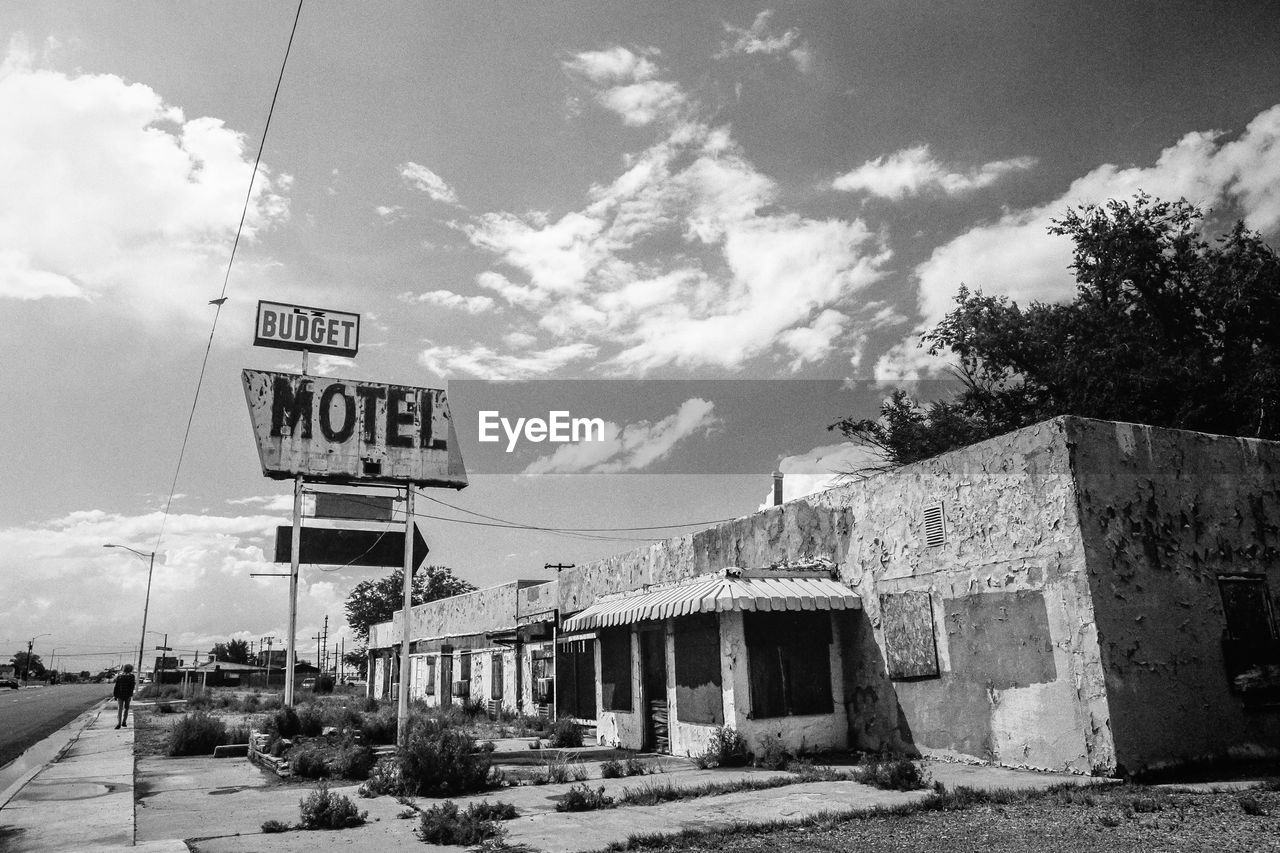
1125, 818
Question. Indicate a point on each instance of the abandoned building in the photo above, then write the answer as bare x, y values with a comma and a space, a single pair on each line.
1077, 595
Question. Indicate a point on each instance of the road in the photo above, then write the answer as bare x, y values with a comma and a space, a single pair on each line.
30, 715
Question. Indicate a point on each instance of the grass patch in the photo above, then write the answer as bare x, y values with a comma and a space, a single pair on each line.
582, 798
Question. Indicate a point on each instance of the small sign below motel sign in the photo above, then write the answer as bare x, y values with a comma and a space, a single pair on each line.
342, 431
298, 327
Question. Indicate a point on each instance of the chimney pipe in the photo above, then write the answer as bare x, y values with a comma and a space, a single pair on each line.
777, 488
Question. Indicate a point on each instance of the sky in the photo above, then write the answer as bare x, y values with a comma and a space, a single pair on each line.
717, 227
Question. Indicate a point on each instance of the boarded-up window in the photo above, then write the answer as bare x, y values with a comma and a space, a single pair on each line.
495, 676
615, 669
429, 676
463, 678
909, 646
699, 698
543, 676
789, 663
1250, 644
576, 679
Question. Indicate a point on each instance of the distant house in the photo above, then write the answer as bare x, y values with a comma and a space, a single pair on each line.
8, 670
1077, 595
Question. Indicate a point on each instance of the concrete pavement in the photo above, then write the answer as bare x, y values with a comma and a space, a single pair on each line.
83, 799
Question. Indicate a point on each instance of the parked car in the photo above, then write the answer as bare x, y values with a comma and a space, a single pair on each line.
10, 683
309, 683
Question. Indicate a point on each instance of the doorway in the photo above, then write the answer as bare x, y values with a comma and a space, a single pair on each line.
653, 675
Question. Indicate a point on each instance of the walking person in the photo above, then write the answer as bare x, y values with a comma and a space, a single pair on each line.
123, 693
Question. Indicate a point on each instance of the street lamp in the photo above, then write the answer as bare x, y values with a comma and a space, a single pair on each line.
146, 605
26, 667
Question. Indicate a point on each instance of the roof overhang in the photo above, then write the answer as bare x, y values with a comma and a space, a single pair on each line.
729, 590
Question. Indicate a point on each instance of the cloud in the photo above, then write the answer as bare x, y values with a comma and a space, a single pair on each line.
107, 191
482, 362
389, 212
1015, 256
761, 40
199, 585
913, 171
626, 82
823, 468
421, 178
629, 448
684, 259
449, 299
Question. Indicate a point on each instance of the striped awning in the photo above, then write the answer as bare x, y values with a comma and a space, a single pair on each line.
718, 594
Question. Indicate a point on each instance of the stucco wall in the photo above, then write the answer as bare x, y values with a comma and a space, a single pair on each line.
1164, 512
1013, 546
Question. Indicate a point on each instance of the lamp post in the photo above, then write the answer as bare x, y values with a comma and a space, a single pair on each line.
26, 667
146, 605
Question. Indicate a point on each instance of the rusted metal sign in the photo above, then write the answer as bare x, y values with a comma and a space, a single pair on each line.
338, 430
298, 327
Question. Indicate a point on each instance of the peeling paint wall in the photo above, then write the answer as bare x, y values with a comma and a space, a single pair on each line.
1012, 542
1164, 512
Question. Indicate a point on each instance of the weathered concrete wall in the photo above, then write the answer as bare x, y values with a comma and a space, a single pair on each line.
491, 609
1163, 513
1012, 543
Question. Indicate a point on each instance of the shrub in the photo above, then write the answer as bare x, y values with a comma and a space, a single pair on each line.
323, 809
901, 774
566, 734
200, 701
1251, 805
251, 703
612, 769
275, 826
271, 703
635, 767
324, 684
581, 798
441, 763
379, 727
196, 733
164, 708
371, 705
353, 761
310, 720
237, 734
284, 723
772, 754
727, 748
345, 718
487, 746
308, 762
560, 769
444, 824
384, 778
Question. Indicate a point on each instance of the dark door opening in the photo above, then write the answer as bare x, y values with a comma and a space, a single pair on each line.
653, 668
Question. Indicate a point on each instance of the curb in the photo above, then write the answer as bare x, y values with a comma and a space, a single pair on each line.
71, 731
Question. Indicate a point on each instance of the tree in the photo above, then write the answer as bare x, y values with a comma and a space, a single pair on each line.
371, 602
232, 651
1166, 329
358, 659
28, 666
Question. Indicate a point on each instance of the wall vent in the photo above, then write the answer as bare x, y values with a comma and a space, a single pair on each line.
935, 526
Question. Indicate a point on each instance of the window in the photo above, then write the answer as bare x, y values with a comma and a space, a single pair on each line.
699, 698
1250, 644
789, 663
495, 676
615, 669
908, 635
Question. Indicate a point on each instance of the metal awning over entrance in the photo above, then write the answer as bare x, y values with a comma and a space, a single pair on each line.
732, 589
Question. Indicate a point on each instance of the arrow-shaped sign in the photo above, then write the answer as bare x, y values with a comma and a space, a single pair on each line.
333, 547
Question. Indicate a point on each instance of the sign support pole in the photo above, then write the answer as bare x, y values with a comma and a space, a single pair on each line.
406, 633
291, 658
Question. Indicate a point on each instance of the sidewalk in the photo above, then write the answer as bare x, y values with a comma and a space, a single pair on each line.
83, 799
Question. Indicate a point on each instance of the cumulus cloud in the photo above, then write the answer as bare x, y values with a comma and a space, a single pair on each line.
449, 299
913, 171
684, 259
482, 362
421, 178
627, 82
761, 39
1015, 256
106, 190
632, 447
823, 468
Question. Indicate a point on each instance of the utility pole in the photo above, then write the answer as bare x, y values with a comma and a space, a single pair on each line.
558, 566
324, 646
268, 641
